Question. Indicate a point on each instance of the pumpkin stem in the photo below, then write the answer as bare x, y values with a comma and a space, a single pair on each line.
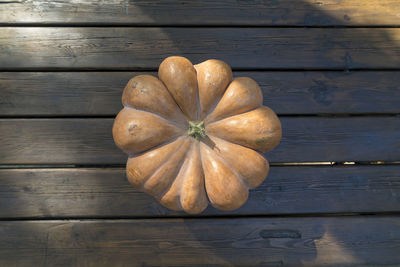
197, 130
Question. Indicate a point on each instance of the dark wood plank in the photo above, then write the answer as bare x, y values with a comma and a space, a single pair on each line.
99, 93
227, 12
244, 48
305, 139
314, 241
91, 193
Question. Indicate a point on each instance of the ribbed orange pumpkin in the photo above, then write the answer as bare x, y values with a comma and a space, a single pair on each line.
193, 136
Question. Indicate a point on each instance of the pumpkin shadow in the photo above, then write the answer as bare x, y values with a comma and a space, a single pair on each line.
206, 140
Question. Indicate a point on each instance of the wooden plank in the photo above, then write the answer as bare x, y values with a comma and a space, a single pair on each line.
99, 93
305, 139
243, 48
227, 12
91, 193
313, 241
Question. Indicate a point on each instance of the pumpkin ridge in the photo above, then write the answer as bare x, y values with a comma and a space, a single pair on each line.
183, 147
238, 83
198, 115
177, 179
244, 178
263, 143
134, 130
174, 123
204, 175
212, 74
165, 160
179, 76
201, 173
212, 108
180, 177
227, 164
236, 143
166, 142
214, 203
227, 117
142, 89
173, 98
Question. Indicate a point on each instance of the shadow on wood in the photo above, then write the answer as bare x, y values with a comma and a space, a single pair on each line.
334, 52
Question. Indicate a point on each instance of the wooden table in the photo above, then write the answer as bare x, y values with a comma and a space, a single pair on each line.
329, 68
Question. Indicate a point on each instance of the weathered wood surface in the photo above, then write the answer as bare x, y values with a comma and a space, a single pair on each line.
305, 139
227, 12
313, 241
99, 93
243, 48
91, 193
63, 48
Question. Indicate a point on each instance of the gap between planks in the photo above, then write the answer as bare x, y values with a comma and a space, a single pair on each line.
273, 164
107, 116
139, 69
187, 25
203, 217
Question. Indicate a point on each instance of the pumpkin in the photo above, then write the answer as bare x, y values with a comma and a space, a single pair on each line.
194, 135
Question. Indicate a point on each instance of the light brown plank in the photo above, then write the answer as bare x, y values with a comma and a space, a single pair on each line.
25, 48
314, 241
227, 12
99, 93
305, 139
91, 193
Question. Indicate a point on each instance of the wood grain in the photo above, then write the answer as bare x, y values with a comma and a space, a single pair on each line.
314, 241
227, 12
91, 193
262, 39
242, 48
305, 139
99, 93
